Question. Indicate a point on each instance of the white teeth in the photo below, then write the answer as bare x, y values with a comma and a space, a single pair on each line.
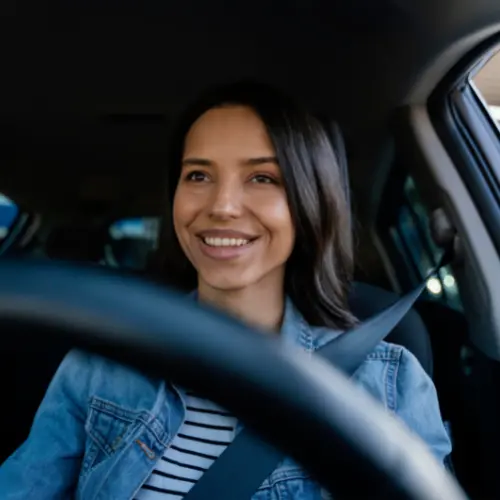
225, 242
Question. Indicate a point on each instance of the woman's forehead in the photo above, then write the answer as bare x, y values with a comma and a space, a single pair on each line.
228, 131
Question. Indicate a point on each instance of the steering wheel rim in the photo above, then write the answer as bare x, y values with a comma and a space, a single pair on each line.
151, 328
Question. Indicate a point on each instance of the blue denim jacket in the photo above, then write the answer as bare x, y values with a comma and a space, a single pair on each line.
102, 427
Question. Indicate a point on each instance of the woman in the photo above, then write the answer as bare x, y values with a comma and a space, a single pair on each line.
258, 225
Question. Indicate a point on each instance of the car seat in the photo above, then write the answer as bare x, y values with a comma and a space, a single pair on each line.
366, 300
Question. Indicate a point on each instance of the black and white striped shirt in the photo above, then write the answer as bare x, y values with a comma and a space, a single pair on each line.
206, 432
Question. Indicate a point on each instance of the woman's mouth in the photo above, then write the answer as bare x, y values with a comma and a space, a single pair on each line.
222, 248
225, 242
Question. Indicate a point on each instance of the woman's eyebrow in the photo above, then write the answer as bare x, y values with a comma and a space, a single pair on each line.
199, 162
261, 160
204, 162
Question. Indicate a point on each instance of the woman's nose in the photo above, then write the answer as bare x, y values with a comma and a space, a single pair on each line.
226, 201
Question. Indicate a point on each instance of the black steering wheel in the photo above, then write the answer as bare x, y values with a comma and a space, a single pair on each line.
339, 433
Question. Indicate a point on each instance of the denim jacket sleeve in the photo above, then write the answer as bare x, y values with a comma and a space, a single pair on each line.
47, 465
417, 405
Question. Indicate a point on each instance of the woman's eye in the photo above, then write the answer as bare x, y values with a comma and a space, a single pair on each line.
196, 176
263, 179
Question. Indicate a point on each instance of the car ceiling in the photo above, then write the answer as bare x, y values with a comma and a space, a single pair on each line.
91, 88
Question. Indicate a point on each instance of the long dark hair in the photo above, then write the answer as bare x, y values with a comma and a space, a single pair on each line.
320, 268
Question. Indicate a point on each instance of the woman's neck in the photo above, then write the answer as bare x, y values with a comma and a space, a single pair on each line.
260, 306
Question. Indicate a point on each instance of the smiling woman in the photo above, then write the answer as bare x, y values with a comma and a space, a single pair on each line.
256, 223
249, 160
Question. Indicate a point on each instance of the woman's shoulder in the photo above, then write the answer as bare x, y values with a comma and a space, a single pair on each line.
77, 359
387, 351
87, 365
85, 375
391, 372
384, 352
406, 362
397, 362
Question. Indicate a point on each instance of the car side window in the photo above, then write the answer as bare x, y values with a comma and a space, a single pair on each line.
409, 232
487, 85
131, 242
8, 215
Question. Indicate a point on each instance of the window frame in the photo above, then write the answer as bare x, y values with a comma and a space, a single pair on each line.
470, 135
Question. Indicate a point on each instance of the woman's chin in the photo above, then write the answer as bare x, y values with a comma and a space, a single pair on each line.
226, 282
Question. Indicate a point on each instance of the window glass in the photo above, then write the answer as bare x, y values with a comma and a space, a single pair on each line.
143, 228
131, 242
408, 227
487, 83
413, 239
8, 214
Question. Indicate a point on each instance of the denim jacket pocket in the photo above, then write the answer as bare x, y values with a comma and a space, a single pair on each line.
108, 427
286, 471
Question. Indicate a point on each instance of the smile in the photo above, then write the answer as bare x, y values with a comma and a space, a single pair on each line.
225, 242
225, 248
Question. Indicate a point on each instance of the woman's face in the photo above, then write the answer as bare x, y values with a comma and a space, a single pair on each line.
231, 213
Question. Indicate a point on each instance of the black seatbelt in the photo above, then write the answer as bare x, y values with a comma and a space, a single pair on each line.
248, 461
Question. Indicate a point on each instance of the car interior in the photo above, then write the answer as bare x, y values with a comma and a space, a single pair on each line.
91, 90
